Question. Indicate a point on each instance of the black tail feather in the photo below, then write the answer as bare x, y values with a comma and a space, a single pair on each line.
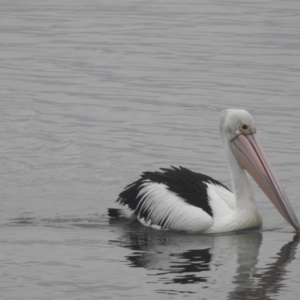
114, 212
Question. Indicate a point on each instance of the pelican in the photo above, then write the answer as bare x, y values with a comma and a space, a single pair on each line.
181, 200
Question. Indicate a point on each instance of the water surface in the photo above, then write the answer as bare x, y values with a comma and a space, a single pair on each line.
93, 94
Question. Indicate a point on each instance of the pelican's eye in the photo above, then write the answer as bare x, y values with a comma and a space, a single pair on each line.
244, 128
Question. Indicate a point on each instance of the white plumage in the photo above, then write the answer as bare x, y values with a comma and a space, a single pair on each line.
173, 210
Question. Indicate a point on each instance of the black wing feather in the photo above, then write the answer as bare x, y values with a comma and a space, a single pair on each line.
187, 184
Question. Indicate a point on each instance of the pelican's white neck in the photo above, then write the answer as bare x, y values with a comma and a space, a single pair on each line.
242, 189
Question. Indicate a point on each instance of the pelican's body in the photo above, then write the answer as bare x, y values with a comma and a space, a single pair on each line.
181, 200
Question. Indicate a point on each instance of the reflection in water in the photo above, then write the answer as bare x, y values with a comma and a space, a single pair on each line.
191, 261
264, 285
194, 261
179, 258
188, 259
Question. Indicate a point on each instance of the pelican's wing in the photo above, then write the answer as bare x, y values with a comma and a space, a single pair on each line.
175, 199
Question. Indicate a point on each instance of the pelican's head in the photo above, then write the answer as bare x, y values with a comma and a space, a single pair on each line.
239, 134
234, 122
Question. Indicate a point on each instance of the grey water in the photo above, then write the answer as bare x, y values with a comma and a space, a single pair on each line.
92, 94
